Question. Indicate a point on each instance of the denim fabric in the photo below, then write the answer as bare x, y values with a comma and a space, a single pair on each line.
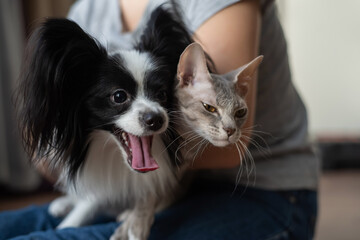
209, 211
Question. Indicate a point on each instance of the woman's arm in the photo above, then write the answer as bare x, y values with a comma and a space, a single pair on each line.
231, 38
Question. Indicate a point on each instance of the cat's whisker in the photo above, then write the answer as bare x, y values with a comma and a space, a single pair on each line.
251, 159
206, 144
177, 138
169, 145
200, 146
188, 139
258, 134
252, 128
263, 150
175, 118
191, 139
248, 161
254, 133
240, 171
247, 155
190, 151
245, 160
185, 142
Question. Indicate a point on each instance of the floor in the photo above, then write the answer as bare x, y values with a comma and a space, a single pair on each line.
339, 201
339, 213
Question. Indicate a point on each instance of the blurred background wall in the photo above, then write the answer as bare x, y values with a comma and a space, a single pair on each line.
17, 18
35, 10
15, 174
324, 48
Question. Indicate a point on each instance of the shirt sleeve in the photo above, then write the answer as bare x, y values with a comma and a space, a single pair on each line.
80, 11
100, 19
196, 12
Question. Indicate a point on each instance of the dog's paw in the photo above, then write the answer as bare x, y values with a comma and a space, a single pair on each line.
123, 216
125, 236
61, 206
135, 226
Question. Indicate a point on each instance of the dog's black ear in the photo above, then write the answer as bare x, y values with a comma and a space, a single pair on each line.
165, 35
60, 65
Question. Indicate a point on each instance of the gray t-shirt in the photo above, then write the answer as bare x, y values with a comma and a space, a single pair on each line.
281, 119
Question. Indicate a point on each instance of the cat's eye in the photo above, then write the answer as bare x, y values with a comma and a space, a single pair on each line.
209, 108
241, 113
119, 96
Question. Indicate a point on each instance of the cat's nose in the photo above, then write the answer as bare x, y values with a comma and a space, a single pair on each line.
229, 131
153, 121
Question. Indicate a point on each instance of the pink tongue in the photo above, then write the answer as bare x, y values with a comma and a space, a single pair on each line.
141, 154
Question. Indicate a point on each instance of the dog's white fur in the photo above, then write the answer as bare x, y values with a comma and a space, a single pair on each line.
137, 63
106, 184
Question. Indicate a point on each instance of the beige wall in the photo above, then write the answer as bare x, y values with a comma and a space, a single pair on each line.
324, 47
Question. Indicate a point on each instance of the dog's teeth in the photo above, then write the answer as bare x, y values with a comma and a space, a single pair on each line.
123, 135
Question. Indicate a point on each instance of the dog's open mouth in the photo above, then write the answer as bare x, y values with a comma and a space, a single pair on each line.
138, 150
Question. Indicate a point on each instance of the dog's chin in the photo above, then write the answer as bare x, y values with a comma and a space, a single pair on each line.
138, 150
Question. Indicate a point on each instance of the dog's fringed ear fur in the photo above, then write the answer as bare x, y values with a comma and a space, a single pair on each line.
165, 35
60, 65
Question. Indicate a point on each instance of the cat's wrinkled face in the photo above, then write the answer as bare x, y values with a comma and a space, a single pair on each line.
213, 109
213, 106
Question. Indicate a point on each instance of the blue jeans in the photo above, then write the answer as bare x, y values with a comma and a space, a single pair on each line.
209, 211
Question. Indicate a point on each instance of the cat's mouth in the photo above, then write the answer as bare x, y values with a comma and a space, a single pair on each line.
138, 150
223, 142
220, 143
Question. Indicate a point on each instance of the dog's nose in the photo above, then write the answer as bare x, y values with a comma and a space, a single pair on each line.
153, 121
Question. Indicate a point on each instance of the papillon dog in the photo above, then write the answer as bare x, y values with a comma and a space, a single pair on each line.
97, 117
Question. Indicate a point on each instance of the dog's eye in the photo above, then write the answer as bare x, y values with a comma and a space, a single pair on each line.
119, 96
241, 113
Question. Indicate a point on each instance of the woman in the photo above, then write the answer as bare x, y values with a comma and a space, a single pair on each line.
281, 202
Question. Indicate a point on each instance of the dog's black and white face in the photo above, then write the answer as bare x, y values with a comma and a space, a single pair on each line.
72, 86
146, 98
131, 101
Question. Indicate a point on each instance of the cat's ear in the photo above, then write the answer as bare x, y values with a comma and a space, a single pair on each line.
244, 74
192, 65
